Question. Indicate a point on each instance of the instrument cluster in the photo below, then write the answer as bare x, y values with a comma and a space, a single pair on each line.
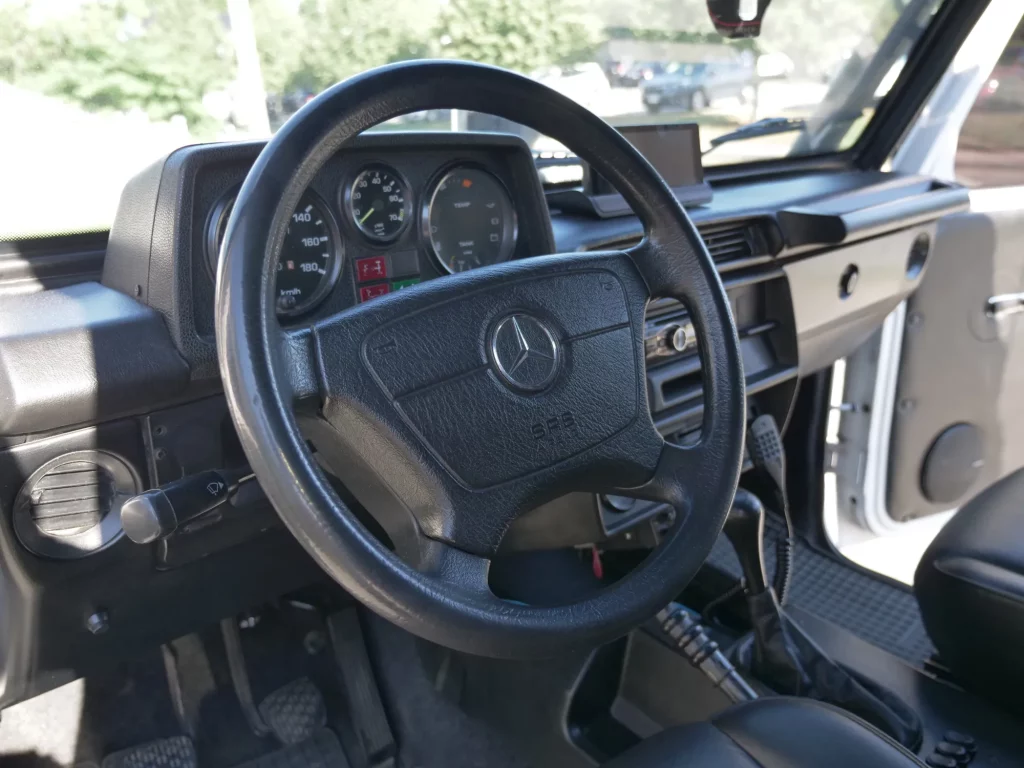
464, 218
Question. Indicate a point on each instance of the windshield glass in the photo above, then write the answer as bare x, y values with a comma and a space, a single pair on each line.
91, 91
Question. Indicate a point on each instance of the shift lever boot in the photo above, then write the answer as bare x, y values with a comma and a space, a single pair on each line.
779, 654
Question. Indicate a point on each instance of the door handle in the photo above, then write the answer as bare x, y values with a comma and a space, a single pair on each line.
1004, 305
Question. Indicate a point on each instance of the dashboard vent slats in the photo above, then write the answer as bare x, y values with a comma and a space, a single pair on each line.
731, 242
736, 245
70, 506
70, 498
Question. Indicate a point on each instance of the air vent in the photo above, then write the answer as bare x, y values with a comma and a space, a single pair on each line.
70, 506
71, 498
734, 242
738, 244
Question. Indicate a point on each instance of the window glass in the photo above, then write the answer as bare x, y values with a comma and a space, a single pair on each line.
91, 91
990, 152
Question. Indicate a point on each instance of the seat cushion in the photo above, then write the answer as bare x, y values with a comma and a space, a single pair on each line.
775, 732
970, 586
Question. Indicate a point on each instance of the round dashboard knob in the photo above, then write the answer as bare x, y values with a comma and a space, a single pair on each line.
619, 503
677, 337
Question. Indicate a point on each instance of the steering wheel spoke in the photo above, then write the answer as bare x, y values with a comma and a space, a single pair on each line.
298, 358
451, 566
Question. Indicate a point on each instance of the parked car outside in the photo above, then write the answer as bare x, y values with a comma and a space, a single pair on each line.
643, 71
585, 83
694, 86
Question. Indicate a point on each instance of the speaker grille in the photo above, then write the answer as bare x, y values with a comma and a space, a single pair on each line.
71, 498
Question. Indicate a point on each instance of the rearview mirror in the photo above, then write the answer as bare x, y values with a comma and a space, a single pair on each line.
737, 18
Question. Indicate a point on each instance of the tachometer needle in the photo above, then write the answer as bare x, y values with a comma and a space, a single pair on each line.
369, 213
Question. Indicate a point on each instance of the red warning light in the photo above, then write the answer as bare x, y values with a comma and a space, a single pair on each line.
291, 265
467, 183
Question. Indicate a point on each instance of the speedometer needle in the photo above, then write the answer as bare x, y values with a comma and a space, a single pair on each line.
369, 213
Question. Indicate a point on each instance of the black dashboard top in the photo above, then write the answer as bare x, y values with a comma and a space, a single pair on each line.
453, 201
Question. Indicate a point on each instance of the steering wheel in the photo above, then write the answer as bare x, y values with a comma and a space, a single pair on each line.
462, 402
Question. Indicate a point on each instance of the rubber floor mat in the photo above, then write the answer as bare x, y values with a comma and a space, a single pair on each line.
321, 751
175, 752
871, 608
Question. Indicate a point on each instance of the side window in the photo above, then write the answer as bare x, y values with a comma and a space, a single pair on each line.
990, 152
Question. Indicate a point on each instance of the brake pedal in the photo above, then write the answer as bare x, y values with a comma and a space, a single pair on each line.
175, 752
294, 712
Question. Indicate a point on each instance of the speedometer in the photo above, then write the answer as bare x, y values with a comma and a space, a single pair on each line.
469, 220
310, 256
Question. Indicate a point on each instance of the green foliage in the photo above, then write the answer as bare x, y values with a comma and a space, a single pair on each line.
523, 35
329, 40
161, 56
16, 41
279, 40
663, 19
343, 37
164, 56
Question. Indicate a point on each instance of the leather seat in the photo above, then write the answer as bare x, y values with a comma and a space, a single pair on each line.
771, 733
970, 586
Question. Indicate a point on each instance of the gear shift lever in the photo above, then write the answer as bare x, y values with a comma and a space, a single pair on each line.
782, 656
745, 530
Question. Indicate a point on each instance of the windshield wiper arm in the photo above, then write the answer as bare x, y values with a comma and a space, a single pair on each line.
768, 126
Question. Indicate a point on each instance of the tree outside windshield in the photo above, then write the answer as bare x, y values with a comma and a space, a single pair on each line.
91, 91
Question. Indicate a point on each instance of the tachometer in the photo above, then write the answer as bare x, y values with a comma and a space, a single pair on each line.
469, 220
310, 256
379, 202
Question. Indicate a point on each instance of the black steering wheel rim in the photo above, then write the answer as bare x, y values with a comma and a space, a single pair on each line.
449, 603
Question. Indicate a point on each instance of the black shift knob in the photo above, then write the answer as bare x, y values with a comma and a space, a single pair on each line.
745, 530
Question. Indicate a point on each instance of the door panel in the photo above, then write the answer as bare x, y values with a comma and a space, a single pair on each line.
958, 425
958, 421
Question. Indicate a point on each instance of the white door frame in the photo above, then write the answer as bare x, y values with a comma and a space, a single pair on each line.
929, 148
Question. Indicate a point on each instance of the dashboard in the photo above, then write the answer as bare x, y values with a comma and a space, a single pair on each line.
111, 371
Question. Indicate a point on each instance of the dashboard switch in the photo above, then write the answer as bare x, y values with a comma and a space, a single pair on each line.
368, 292
400, 284
158, 513
405, 263
372, 268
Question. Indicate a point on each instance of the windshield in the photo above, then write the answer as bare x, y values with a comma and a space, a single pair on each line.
91, 91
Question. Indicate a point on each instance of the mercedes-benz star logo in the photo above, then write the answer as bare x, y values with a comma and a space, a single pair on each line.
525, 352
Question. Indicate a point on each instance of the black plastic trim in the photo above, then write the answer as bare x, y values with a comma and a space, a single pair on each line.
82, 354
670, 422
32, 264
816, 225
